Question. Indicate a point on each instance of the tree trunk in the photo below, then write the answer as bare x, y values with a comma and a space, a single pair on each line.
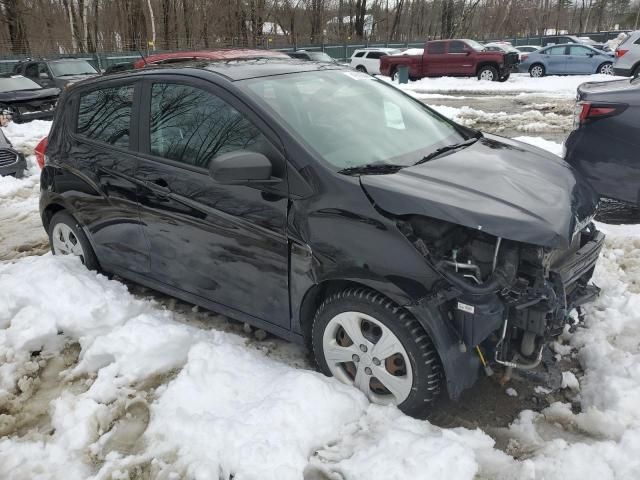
186, 12
17, 29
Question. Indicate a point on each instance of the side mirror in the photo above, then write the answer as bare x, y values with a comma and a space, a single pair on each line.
240, 168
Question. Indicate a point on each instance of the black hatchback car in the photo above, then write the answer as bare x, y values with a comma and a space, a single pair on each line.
406, 250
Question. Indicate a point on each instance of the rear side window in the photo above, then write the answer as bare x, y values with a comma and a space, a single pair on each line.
580, 51
555, 51
435, 47
191, 126
376, 55
104, 115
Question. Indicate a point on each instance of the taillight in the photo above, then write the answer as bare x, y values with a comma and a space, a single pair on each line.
40, 149
620, 52
587, 111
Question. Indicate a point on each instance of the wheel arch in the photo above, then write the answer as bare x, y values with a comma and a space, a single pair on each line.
488, 63
49, 211
610, 62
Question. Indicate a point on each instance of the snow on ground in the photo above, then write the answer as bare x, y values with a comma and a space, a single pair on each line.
21, 231
518, 84
124, 387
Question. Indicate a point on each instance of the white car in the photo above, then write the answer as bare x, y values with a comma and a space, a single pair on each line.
368, 59
528, 48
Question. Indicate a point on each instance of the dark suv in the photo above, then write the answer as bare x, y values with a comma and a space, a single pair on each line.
407, 250
56, 73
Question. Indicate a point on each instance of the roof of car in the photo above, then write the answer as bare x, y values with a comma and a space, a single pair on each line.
217, 54
237, 69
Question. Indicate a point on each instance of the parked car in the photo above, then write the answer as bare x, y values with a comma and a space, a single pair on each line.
559, 40
25, 100
399, 248
12, 162
454, 58
503, 47
528, 48
627, 62
605, 143
311, 56
56, 73
367, 60
570, 59
220, 54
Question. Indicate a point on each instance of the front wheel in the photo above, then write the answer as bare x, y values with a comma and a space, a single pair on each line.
67, 238
606, 69
505, 77
365, 340
488, 73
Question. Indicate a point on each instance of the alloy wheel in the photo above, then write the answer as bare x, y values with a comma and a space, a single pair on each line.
65, 241
486, 75
607, 69
363, 352
536, 71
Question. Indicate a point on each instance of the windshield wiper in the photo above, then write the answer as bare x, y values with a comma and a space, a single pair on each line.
75, 74
447, 148
372, 168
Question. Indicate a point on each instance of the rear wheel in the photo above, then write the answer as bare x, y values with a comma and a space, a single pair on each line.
67, 238
365, 340
537, 70
488, 73
361, 68
505, 77
394, 75
606, 68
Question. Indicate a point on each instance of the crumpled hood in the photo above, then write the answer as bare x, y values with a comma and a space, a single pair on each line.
26, 95
500, 186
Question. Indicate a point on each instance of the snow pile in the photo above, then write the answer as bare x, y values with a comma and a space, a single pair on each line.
530, 121
517, 83
22, 231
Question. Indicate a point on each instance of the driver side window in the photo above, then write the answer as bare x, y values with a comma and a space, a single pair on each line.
192, 126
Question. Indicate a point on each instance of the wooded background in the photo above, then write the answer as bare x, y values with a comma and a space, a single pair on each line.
77, 26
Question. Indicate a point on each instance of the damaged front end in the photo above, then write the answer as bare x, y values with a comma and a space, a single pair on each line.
507, 297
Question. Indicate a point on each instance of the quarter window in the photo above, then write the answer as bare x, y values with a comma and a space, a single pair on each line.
359, 54
191, 126
105, 115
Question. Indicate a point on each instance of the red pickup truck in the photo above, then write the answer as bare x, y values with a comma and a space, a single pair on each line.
453, 58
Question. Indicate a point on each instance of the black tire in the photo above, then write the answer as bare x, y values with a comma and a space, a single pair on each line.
361, 68
394, 75
489, 71
505, 77
88, 258
635, 72
543, 70
426, 368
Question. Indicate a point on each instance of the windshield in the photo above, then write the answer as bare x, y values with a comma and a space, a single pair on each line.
17, 82
320, 57
478, 47
72, 67
351, 119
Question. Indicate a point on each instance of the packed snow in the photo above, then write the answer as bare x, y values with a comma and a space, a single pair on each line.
98, 381
517, 84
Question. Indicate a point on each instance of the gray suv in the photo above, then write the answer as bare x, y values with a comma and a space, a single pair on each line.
56, 73
627, 62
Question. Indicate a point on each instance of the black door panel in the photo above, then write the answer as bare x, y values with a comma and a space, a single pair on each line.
226, 243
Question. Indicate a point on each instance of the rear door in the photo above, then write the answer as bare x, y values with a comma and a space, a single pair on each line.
580, 60
372, 62
97, 174
555, 59
224, 243
434, 62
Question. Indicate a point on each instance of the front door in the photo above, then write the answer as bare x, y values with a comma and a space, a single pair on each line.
459, 60
224, 243
580, 60
434, 62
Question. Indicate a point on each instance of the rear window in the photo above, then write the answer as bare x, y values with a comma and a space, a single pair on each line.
104, 115
435, 47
